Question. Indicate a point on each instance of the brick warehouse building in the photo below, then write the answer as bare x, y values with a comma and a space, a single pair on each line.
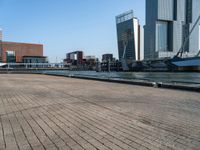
14, 52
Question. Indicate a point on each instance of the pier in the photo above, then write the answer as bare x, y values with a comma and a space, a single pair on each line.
44, 112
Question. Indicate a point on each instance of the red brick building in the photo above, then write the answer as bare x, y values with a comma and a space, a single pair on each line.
18, 50
74, 58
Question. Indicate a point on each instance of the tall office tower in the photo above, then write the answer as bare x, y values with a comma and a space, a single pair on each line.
128, 36
168, 23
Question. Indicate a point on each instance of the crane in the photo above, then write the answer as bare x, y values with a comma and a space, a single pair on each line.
125, 39
124, 62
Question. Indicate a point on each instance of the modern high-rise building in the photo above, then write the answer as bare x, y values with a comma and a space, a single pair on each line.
128, 36
168, 23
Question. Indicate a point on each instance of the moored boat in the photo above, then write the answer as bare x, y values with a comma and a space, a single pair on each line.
184, 64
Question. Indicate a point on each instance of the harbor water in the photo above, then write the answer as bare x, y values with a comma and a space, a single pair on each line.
189, 78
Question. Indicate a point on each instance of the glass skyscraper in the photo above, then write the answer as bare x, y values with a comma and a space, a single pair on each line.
168, 23
128, 37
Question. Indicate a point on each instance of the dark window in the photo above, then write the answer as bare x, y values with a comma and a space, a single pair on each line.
188, 11
10, 57
175, 9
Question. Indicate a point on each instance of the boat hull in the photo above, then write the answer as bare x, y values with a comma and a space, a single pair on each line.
184, 64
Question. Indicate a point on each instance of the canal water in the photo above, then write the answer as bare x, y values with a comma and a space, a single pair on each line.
165, 77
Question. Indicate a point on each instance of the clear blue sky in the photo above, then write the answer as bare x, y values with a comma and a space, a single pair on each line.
66, 25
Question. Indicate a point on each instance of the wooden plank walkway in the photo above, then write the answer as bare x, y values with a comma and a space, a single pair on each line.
47, 112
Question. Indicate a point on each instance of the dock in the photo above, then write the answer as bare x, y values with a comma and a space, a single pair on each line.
43, 112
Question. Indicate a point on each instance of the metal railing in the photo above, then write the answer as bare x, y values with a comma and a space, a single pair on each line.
30, 67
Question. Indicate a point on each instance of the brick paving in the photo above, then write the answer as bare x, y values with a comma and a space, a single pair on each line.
45, 112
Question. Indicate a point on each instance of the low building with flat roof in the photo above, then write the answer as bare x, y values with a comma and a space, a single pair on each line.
14, 51
34, 59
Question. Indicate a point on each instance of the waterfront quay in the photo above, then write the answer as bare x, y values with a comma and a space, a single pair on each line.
49, 112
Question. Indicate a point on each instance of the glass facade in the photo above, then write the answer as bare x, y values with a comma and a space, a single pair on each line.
199, 37
161, 36
34, 59
10, 57
125, 34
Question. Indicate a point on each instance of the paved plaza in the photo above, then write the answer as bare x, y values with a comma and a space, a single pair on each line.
46, 112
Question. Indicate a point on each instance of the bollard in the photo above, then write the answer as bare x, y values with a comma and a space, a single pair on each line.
155, 85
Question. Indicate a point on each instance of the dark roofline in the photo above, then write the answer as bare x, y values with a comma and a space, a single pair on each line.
36, 56
108, 54
75, 52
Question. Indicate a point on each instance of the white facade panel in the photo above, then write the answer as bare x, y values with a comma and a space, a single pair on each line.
194, 38
136, 35
165, 10
181, 10
141, 43
177, 36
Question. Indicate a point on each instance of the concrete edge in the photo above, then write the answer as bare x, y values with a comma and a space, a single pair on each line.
181, 87
148, 84
139, 83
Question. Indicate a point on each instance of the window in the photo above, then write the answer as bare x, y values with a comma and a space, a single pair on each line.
199, 37
175, 9
161, 36
10, 56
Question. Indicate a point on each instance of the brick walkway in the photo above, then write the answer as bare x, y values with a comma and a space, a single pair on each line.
46, 112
